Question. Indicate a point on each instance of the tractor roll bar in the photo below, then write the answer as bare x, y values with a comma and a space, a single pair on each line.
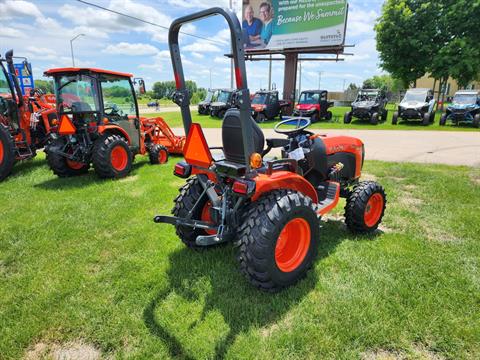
240, 72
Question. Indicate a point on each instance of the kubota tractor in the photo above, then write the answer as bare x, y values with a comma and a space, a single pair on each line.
25, 121
270, 209
99, 124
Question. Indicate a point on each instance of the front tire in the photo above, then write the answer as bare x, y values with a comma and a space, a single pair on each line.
476, 121
184, 202
347, 118
60, 165
374, 119
426, 119
278, 239
112, 158
7, 152
315, 117
365, 207
395, 118
158, 154
443, 120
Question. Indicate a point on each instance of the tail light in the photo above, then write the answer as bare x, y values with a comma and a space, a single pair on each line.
182, 170
243, 187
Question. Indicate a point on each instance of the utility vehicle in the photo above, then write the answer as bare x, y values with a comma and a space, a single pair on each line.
99, 124
269, 208
25, 121
267, 106
416, 104
465, 107
224, 101
369, 106
204, 105
314, 104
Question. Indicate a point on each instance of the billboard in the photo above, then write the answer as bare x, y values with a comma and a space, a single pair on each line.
25, 77
276, 25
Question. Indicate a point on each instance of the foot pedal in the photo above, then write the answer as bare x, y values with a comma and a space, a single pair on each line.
331, 200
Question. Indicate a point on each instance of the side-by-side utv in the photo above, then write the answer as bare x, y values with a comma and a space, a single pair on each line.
465, 108
417, 104
225, 100
267, 106
204, 105
99, 124
370, 105
270, 208
314, 104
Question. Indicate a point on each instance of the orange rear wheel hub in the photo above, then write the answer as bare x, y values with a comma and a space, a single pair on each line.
119, 158
75, 165
162, 157
1, 151
373, 210
292, 245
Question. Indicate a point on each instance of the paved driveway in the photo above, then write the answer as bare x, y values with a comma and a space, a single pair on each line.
440, 147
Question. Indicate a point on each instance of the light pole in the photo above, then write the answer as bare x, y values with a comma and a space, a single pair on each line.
210, 70
319, 79
71, 47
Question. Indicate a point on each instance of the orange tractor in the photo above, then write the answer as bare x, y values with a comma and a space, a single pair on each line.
99, 124
25, 121
270, 209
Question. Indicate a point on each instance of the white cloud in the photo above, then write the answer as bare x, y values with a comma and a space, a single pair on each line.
197, 55
125, 48
361, 22
198, 4
19, 8
221, 60
7, 32
202, 46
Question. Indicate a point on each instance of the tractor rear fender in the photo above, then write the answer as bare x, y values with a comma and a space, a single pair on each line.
114, 130
283, 180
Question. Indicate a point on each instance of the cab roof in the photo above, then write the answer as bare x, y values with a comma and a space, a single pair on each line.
314, 91
467, 92
52, 72
419, 90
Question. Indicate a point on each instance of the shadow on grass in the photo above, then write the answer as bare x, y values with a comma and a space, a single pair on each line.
27, 166
227, 292
58, 183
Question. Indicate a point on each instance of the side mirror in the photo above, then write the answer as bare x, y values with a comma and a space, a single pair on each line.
141, 86
9, 56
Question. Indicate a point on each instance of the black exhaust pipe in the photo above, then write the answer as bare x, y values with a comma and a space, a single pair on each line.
11, 69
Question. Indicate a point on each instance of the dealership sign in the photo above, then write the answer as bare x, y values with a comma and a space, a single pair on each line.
293, 24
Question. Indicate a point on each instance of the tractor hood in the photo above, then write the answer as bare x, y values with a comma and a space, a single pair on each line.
364, 104
305, 107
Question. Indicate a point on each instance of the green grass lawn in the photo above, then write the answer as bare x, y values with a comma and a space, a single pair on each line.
83, 266
174, 119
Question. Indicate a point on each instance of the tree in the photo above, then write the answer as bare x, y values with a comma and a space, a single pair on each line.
45, 85
384, 82
163, 89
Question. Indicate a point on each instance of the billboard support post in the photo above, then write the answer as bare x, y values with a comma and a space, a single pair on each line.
290, 79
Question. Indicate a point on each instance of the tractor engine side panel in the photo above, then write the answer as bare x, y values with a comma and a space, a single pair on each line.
348, 149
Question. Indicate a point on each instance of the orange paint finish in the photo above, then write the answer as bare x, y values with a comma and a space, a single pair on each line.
335, 144
334, 203
158, 132
66, 126
105, 128
292, 245
283, 180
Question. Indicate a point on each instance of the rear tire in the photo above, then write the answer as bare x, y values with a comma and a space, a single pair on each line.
365, 207
328, 116
443, 120
7, 152
432, 117
60, 165
374, 119
384, 115
347, 118
221, 114
158, 154
315, 117
395, 118
184, 202
278, 239
112, 158
476, 121
426, 119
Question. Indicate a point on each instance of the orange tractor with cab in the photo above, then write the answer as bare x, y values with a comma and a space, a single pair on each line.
25, 121
270, 209
100, 124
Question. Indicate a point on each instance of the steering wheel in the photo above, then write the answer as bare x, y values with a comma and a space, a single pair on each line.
300, 123
114, 109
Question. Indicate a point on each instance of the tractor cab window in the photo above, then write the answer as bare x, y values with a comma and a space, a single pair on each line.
118, 99
76, 94
4, 87
259, 98
309, 98
363, 96
209, 96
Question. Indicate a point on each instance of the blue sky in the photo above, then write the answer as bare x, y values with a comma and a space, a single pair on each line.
42, 29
